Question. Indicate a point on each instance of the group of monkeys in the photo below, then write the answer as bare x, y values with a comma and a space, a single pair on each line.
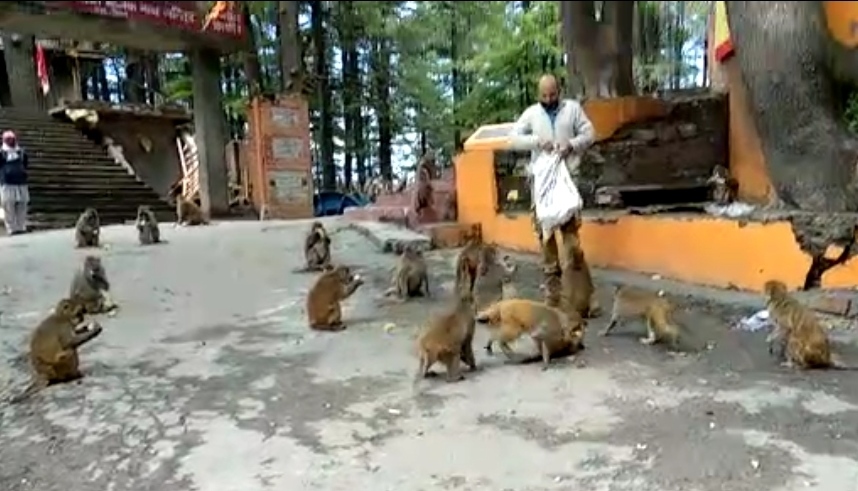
54, 343
798, 338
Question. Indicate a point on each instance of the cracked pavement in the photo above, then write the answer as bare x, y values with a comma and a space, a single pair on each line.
208, 379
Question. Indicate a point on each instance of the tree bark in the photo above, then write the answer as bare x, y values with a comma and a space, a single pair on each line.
621, 15
250, 57
326, 124
290, 47
782, 51
579, 30
381, 79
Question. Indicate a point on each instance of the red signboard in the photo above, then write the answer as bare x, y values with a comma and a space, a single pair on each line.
182, 15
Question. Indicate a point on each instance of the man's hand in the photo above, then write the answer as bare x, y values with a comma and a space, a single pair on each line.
546, 146
564, 149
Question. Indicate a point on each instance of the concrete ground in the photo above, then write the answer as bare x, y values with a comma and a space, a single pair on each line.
208, 379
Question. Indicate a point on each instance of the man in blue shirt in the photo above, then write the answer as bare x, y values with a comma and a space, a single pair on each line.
14, 194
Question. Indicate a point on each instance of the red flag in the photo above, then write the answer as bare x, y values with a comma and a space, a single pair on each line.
42, 69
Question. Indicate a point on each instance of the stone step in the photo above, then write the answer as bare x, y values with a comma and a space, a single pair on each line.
83, 188
388, 214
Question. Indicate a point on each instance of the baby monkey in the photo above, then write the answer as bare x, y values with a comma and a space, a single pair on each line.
87, 230
411, 277
53, 347
722, 186
630, 301
90, 288
147, 226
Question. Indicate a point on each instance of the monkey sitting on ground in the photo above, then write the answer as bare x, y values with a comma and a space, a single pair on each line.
147, 226
577, 290
466, 265
510, 319
492, 273
317, 248
323, 300
423, 194
88, 229
410, 278
54, 344
797, 338
448, 339
723, 187
188, 213
630, 301
90, 288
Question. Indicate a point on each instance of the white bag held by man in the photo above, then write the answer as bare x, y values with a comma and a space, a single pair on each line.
556, 197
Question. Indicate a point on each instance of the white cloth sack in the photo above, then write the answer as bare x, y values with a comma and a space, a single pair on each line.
555, 195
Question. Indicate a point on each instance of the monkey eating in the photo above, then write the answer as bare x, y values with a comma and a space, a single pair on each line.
410, 277
448, 338
723, 187
317, 248
333, 286
797, 338
630, 301
510, 319
88, 229
188, 212
53, 347
147, 226
90, 288
491, 274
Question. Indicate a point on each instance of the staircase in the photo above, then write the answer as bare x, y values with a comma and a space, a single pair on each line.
68, 173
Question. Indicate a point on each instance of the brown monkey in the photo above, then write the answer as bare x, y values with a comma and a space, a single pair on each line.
492, 273
147, 226
323, 300
87, 230
448, 339
188, 213
723, 187
53, 347
317, 248
90, 288
797, 338
410, 278
577, 290
466, 266
630, 301
510, 319
423, 194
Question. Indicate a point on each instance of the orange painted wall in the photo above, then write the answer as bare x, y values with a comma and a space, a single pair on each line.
693, 248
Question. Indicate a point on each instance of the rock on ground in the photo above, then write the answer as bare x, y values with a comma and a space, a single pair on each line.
208, 379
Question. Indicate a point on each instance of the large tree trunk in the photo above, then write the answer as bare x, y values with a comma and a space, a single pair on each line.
250, 57
782, 50
381, 79
326, 124
579, 30
621, 15
290, 47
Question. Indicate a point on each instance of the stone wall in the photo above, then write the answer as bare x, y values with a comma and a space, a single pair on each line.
680, 148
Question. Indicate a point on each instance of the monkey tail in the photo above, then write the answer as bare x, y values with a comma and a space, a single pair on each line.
35, 386
418, 376
836, 364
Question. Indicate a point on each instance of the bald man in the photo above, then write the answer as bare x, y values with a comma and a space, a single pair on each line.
555, 125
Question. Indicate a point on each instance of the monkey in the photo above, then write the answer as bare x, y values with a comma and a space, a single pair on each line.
317, 248
334, 285
147, 226
90, 288
88, 229
410, 277
577, 290
492, 273
450, 211
466, 266
188, 213
447, 338
509, 319
630, 301
797, 339
53, 347
723, 187
423, 194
